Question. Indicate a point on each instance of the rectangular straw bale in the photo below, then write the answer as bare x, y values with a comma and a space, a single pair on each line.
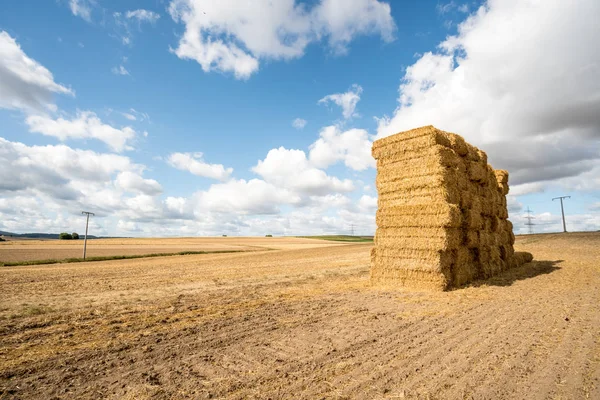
482, 156
439, 257
484, 254
420, 196
428, 135
487, 207
420, 243
438, 153
414, 264
502, 213
473, 153
472, 219
477, 171
412, 172
409, 145
458, 144
501, 176
432, 181
389, 217
471, 238
464, 269
491, 175
466, 199
425, 280
406, 135
506, 252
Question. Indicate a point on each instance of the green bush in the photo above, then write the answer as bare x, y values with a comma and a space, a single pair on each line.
75, 235
65, 236
268, 235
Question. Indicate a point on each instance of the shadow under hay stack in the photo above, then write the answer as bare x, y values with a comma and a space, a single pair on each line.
442, 219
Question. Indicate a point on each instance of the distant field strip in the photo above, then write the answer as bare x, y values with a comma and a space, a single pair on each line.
121, 257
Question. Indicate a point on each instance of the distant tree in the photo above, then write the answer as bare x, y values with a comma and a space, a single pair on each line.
268, 235
75, 235
2, 239
65, 236
224, 235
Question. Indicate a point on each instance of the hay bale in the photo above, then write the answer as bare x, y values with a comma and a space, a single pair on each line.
420, 196
434, 154
477, 171
501, 176
465, 267
442, 215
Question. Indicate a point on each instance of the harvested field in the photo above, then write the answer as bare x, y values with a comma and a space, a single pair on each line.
301, 322
28, 250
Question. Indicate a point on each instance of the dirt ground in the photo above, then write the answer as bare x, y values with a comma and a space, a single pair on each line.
301, 323
31, 249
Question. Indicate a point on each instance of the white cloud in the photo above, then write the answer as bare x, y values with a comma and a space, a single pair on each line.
25, 84
143, 15
194, 163
246, 197
352, 146
57, 171
232, 36
490, 83
85, 126
291, 169
368, 203
347, 101
133, 182
120, 70
82, 8
299, 123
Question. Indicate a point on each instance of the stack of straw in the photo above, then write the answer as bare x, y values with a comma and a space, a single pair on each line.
442, 217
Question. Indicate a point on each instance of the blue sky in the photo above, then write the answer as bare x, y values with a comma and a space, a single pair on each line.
137, 86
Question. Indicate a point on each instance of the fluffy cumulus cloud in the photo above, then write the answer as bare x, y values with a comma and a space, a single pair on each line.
233, 36
353, 147
245, 197
193, 162
347, 101
292, 170
528, 94
133, 182
86, 125
58, 172
25, 84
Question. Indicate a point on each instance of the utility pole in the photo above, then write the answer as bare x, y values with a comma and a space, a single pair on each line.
86, 229
529, 218
562, 210
352, 230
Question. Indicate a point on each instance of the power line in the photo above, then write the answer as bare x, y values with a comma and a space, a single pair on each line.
86, 230
352, 230
529, 217
562, 210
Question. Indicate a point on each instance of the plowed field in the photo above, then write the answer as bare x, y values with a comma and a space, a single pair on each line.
303, 322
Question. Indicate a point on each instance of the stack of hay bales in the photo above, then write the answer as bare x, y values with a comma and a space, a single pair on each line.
442, 216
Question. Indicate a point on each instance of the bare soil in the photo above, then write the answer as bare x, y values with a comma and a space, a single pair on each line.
301, 322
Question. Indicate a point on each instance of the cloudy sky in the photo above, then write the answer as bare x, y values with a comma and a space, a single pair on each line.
210, 117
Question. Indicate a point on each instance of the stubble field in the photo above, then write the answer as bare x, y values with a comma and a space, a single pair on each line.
298, 318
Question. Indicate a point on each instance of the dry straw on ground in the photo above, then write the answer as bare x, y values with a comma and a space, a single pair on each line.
442, 216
